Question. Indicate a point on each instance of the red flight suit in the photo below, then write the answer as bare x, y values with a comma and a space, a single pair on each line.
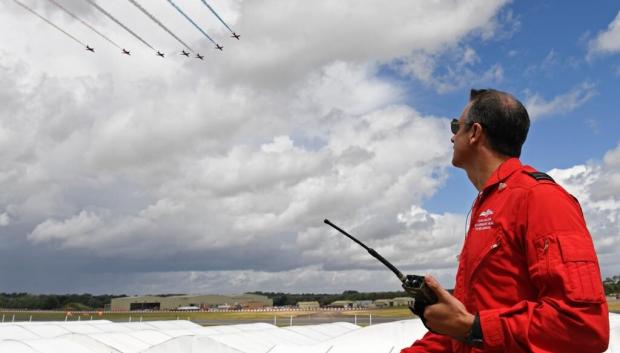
529, 269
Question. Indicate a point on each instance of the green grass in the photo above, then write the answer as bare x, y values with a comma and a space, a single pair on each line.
390, 312
150, 316
614, 306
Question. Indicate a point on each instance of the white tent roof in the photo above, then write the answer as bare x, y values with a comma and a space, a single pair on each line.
186, 337
58, 344
15, 332
614, 329
15, 347
46, 330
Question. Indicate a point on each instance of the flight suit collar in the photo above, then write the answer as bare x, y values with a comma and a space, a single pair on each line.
503, 172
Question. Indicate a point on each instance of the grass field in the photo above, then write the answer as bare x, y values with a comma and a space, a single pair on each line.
149, 316
391, 312
199, 316
614, 306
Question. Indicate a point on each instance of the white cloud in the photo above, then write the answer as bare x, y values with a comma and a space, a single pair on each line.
538, 107
470, 57
257, 191
348, 89
232, 164
502, 27
607, 41
445, 77
612, 158
597, 186
274, 51
549, 61
347, 32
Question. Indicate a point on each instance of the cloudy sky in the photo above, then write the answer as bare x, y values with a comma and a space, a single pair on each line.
137, 174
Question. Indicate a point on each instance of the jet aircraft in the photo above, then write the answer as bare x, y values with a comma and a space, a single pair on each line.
90, 49
160, 54
219, 47
201, 57
235, 35
185, 53
126, 52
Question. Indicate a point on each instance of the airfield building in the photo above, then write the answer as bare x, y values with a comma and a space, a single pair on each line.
191, 302
313, 305
341, 304
346, 304
400, 301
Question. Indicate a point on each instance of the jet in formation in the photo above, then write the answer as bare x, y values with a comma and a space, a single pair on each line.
111, 17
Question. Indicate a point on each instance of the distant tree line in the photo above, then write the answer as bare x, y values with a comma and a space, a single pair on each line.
95, 302
612, 285
284, 299
55, 301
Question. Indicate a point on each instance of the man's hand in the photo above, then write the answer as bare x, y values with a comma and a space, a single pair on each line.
448, 316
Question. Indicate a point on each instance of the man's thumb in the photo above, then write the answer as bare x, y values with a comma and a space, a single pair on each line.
433, 284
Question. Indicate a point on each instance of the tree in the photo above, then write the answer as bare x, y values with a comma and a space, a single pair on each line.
612, 285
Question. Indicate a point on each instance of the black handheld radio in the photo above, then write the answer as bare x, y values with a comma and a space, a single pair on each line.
412, 284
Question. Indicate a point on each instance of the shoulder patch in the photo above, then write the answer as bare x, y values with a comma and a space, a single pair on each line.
540, 176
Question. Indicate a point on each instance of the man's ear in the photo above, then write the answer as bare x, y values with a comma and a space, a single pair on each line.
476, 134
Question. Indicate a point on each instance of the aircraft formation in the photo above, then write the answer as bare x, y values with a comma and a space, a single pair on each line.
184, 52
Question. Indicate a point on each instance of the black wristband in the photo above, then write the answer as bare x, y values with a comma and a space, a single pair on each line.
474, 337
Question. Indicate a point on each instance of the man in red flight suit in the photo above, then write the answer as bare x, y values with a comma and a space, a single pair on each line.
528, 278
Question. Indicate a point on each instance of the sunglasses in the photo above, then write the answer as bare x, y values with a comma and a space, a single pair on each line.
455, 125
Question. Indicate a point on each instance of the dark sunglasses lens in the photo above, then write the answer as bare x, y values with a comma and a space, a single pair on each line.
454, 126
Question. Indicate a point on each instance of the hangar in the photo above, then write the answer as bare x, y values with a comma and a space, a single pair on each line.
184, 302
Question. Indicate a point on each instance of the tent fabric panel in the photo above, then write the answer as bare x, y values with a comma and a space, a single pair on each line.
54, 345
188, 344
400, 333
175, 325
151, 337
14, 346
614, 329
91, 343
121, 341
47, 331
17, 332
242, 343
332, 329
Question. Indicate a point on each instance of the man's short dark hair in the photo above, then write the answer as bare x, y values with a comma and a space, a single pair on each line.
503, 118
